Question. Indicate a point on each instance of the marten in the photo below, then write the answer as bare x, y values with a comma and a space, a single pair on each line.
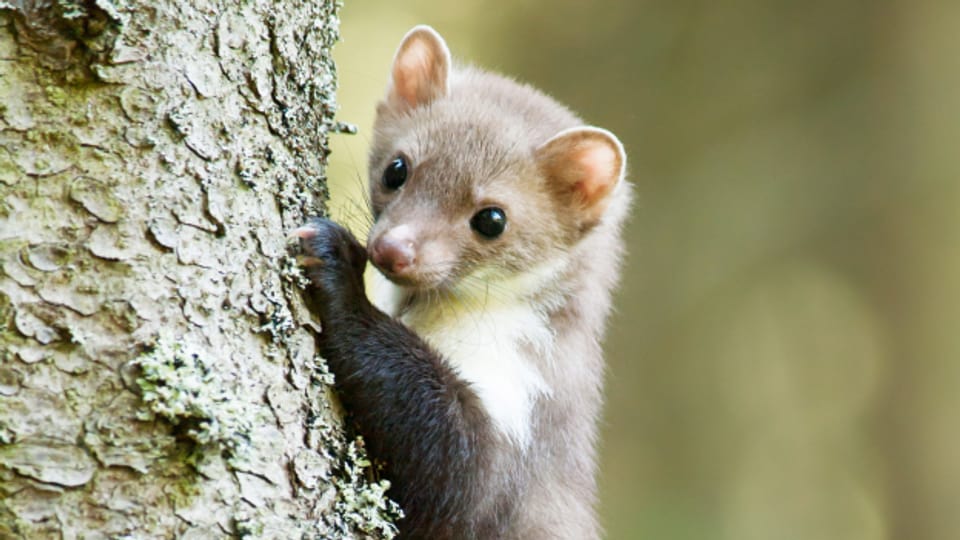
476, 374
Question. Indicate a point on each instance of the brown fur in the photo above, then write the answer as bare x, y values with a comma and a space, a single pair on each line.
477, 139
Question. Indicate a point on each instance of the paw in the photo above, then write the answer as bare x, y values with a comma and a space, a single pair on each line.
333, 260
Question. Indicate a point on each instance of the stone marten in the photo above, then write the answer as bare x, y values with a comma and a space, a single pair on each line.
475, 375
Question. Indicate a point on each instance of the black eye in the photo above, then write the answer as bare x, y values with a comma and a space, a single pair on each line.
489, 222
396, 173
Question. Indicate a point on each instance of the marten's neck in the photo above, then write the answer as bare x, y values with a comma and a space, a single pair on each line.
496, 332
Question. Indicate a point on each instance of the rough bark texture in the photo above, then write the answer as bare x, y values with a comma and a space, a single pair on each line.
157, 368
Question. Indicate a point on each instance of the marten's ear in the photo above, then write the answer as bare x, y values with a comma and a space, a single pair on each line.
420, 69
582, 166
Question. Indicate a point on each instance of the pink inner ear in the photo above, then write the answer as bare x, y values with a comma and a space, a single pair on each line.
412, 71
599, 171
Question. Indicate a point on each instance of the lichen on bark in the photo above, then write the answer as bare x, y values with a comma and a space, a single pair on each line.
152, 156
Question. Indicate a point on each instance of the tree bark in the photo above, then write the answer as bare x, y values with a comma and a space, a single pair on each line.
157, 368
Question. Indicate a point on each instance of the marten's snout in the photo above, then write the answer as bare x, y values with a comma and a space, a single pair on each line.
394, 252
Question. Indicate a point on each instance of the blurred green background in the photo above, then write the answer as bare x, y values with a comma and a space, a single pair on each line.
785, 360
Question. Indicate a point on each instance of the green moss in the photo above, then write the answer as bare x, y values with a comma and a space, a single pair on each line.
179, 386
6, 312
183, 491
278, 324
250, 529
56, 96
363, 504
11, 526
10, 172
292, 272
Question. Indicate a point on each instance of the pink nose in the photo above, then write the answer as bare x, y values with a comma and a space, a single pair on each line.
393, 252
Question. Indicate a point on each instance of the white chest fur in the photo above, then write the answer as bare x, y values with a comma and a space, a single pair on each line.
492, 343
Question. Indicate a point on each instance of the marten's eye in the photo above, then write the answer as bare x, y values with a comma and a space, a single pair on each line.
396, 173
489, 222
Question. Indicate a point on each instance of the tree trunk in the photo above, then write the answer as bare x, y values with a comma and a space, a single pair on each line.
157, 367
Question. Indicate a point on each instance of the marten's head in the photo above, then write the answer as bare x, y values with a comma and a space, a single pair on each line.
472, 174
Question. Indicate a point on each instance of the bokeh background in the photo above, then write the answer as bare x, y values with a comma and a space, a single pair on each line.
785, 360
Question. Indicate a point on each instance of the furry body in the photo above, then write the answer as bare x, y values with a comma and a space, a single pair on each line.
477, 378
